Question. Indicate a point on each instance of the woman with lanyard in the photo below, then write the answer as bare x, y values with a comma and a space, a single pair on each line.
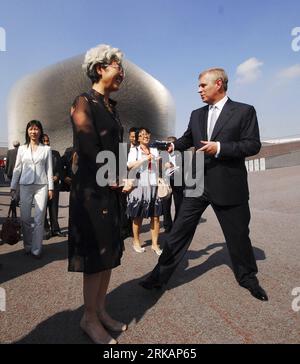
142, 200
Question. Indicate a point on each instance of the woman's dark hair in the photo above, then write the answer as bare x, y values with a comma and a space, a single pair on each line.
93, 75
146, 130
37, 124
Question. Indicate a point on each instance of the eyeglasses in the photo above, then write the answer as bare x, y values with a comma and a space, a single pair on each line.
117, 67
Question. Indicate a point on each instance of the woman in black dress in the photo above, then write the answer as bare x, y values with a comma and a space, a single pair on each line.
95, 242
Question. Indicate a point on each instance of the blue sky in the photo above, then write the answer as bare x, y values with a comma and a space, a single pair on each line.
173, 40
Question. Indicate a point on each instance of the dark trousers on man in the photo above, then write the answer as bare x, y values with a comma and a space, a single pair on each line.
177, 193
52, 207
234, 221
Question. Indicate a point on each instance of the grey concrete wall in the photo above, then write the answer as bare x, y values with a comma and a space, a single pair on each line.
285, 160
279, 161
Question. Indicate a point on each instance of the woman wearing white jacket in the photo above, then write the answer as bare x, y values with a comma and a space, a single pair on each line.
33, 171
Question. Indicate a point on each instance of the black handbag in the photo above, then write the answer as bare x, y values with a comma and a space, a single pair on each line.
11, 228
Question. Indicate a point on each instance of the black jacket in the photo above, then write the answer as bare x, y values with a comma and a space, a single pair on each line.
10, 162
57, 167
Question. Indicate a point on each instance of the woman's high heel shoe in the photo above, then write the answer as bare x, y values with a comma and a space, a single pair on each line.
158, 251
138, 248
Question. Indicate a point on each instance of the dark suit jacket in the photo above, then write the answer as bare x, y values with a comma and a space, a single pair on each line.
10, 162
225, 177
57, 167
66, 161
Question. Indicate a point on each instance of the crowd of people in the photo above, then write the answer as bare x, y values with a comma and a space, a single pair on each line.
142, 202
224, 130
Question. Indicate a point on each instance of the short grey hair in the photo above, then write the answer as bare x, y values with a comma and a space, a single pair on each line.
16, 143
103, 54
219, 74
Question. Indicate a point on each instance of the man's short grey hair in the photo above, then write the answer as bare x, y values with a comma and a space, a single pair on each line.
16, 143
219, 74
102, 54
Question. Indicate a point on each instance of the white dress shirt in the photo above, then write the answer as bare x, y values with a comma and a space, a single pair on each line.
219, 106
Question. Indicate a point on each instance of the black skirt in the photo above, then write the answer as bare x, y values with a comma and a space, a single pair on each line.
95, 241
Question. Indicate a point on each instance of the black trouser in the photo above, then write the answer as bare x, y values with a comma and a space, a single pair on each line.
177, 193
234, 221
52, 207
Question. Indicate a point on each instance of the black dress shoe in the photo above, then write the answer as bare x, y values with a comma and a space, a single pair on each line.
59, 233
258, 292
47, 235
36, 256
150, 284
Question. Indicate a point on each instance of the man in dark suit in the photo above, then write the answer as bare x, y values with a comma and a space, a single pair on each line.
177, 191
10, 165
133, 137
52, 205
11, 160
227, 132
66, 161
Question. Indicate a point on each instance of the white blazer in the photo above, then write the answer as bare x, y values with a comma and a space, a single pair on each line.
33, 168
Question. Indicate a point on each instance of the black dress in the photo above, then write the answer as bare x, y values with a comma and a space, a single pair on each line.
95, 242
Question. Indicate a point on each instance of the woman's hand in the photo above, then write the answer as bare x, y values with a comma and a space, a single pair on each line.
150, 157
50, 194
169, 165
114, 185
68, 181
128, 185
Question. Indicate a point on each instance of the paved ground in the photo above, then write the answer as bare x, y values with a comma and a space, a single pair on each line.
203, 303
3, 181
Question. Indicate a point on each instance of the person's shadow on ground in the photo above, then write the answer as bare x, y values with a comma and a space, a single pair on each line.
184, 274
16, 263
129, 302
